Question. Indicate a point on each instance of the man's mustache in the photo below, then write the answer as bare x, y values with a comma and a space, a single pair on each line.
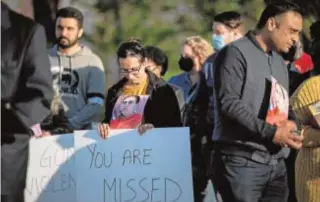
60, 38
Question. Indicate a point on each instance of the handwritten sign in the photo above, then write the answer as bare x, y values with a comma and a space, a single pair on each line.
51, 172
155, 167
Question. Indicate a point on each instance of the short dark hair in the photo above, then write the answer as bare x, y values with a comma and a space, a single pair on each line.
71, 12
158, 57
136, 97
231, 19
132, 47
315, 30
273, 10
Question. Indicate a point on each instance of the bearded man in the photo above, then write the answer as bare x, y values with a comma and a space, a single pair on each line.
78, 73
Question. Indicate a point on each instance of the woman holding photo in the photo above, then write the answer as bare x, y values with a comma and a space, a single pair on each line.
161, 108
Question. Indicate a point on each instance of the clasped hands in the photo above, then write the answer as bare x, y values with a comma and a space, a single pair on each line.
288, 135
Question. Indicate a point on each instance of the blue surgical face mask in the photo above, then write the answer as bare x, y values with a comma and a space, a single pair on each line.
218, 42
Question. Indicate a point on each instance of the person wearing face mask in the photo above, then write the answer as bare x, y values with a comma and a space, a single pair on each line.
157, 63
195, 51
161, 109
192, 81
226, 28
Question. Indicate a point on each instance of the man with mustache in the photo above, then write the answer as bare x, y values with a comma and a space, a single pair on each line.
78, 73
250, 151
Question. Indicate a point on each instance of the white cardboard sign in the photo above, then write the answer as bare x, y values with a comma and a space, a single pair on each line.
129, 167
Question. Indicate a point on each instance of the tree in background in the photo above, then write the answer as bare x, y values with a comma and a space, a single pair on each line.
164, 23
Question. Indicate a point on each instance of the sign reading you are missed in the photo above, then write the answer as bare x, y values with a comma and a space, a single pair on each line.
155, 167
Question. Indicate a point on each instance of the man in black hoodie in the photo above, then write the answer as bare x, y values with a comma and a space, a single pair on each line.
251, 91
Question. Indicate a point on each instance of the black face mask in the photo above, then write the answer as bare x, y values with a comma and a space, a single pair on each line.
185, 64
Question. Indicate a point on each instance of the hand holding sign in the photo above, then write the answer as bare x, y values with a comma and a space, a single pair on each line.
103, 130
45, 134
144, 127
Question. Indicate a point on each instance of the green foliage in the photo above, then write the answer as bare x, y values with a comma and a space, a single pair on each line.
165, 23
222, 5
159, 23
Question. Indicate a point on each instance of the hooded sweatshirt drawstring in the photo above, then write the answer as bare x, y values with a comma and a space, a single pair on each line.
81, 73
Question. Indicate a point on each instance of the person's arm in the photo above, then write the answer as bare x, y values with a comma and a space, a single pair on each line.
180, 97
175, 116
94, 109
229, 81
169, 114
110, 102
35, 93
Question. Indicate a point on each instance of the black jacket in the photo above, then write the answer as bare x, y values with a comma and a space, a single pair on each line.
196, 108
26, 82
162, 108
180, 97
315, 54
195, 117
296, 79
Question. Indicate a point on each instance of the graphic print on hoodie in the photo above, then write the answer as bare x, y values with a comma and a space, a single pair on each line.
79, 79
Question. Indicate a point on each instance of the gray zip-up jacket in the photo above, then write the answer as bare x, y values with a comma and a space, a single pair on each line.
80, 81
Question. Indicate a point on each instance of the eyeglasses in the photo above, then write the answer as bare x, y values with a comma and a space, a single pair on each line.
133, 70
